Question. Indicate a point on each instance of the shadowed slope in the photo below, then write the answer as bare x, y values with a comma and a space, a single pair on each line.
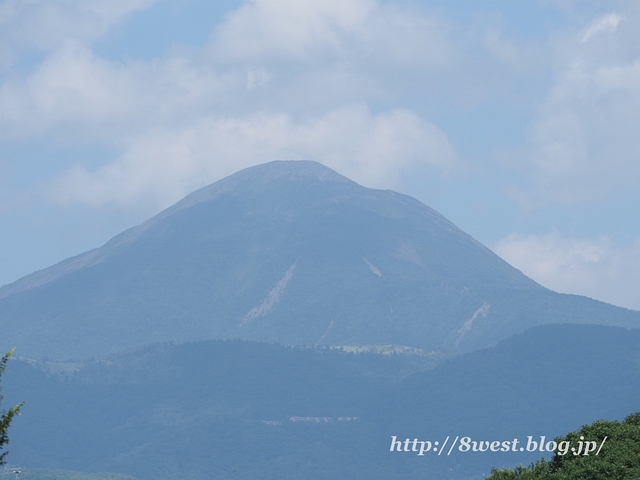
246, 410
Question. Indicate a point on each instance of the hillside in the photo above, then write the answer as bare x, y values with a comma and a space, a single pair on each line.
245, 410
287, 252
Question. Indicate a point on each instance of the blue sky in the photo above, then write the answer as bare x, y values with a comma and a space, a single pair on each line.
519, 121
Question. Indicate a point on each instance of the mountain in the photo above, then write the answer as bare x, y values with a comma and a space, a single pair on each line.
248, 410
288, 252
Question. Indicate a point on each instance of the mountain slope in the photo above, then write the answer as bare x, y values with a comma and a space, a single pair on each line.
247, 410
289, 252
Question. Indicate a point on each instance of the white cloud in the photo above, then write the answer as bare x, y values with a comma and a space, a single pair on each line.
70, 88
161, 167
46, 24
77, 96
506, 63
267, 52
604, 23
257, 78
284, 28
584, 143
594, 267
317, 32
278, 80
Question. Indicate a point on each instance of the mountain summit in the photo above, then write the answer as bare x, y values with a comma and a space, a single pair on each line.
288, 252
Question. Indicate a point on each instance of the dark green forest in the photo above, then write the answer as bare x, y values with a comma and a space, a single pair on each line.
619, 458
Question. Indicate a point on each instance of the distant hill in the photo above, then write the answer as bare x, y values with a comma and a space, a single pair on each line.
288, 252
46, 474
245, 410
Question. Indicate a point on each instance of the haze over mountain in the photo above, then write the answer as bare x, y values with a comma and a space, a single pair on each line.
288, 252
249, 410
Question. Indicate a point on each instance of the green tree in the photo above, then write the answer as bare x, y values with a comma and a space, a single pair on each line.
5, 416
618, 459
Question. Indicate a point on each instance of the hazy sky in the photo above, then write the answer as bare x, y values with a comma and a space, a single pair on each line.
517, 120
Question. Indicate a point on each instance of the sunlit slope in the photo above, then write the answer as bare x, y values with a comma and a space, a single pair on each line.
289, 252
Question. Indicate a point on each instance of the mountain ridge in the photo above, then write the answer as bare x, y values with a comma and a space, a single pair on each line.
209, 193
238, 409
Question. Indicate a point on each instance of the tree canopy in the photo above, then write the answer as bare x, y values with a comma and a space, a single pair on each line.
618, 458
5, 416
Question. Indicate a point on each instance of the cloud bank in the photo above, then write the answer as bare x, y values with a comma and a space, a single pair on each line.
583, 145
277, 80
163, 166
595, 267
